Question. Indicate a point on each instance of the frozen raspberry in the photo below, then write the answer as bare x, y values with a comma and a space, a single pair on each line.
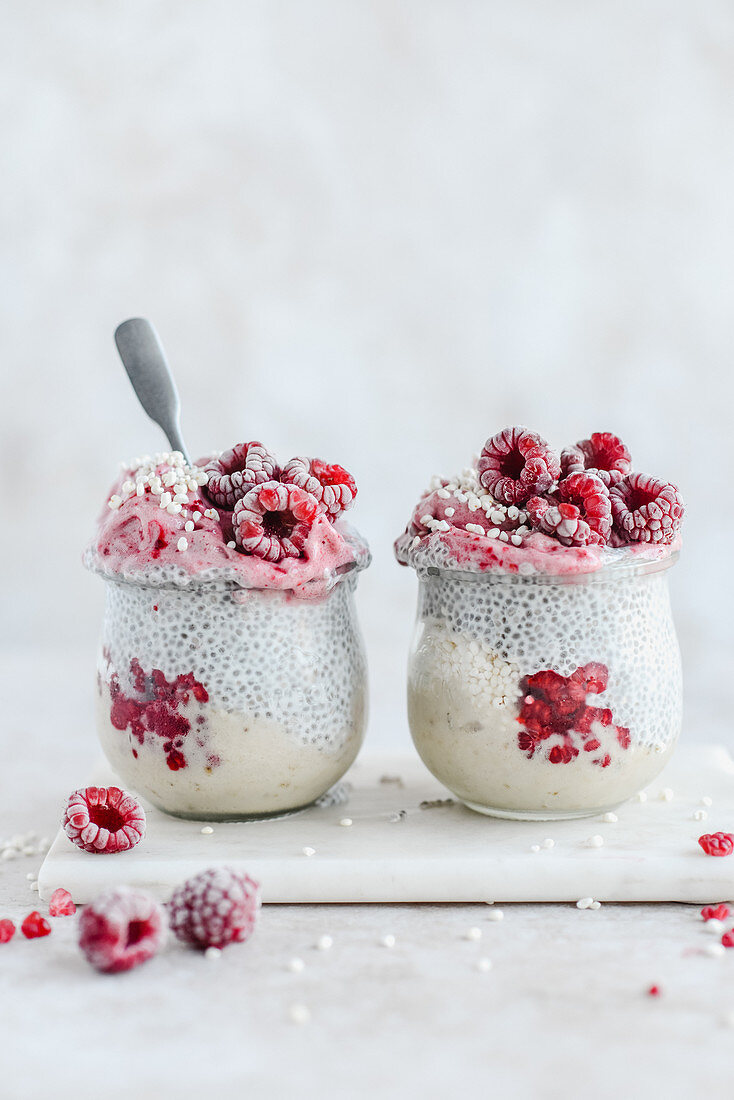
715, 912
728, 938
591, 497
7, 930
559, 521
121, 929
603, 453
717, 844
34, 926
215, 908
274, 520
332, 485
517, 464
61, 904
646, 509
235, 472
104, 819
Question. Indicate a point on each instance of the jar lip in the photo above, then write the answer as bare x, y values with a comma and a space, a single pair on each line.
608, 571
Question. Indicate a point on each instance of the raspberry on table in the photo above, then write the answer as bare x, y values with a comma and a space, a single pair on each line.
645, 509
717, 844
215, 908
332, 485
273, 521
7, 930
715, 912
35, 926
603, 453
121, 929
61, 904
517, 464
104, 819
235, 472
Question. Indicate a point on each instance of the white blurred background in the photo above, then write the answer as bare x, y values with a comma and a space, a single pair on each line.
373, 231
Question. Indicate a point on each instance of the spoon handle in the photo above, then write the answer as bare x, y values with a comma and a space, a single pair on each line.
147, 368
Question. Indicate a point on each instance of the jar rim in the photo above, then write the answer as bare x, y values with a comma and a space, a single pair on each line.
605, 573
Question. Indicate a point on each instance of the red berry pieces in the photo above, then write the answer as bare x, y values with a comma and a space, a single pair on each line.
654, 991
728, 938
646, 509
61, 904
717, 844
333, 486
104, 819
517, 464
603, 453
121, 929
235, 472
556, 718
34, 926
7, 930
215, 908
274, 520
158, 709
715, 912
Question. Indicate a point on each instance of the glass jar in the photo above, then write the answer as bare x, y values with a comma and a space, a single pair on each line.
544, 697
217, 702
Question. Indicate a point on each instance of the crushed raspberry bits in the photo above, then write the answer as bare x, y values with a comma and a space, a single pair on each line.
715, 912
717, 844
121, 929
7, 930
61, 904
103, 819
35, 926
215, 908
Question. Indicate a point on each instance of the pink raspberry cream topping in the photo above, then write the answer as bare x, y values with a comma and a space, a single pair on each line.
237, 518
104, 819
522, 509
121, 929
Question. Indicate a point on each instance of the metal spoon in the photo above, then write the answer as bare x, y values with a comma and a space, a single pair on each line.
147, 368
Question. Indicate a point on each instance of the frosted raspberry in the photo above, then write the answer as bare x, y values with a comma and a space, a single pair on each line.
104, 819
274, 520
517, 464
332, 485
236, 471
603, 453
121, 929
717, 844
215, 908
7, 930
61, 904
646, 509
591, 497
715, 912
34, 926
559, 521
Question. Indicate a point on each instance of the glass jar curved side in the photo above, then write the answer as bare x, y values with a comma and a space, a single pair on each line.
218, 703
545, 697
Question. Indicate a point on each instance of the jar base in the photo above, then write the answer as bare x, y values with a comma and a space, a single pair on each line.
272, 815
539, 815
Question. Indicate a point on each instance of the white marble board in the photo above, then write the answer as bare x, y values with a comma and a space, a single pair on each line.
440, 854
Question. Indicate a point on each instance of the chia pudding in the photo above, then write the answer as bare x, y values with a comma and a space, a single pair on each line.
544, 680
231, 678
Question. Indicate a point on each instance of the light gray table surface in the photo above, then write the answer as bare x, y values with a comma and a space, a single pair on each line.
564, 1011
